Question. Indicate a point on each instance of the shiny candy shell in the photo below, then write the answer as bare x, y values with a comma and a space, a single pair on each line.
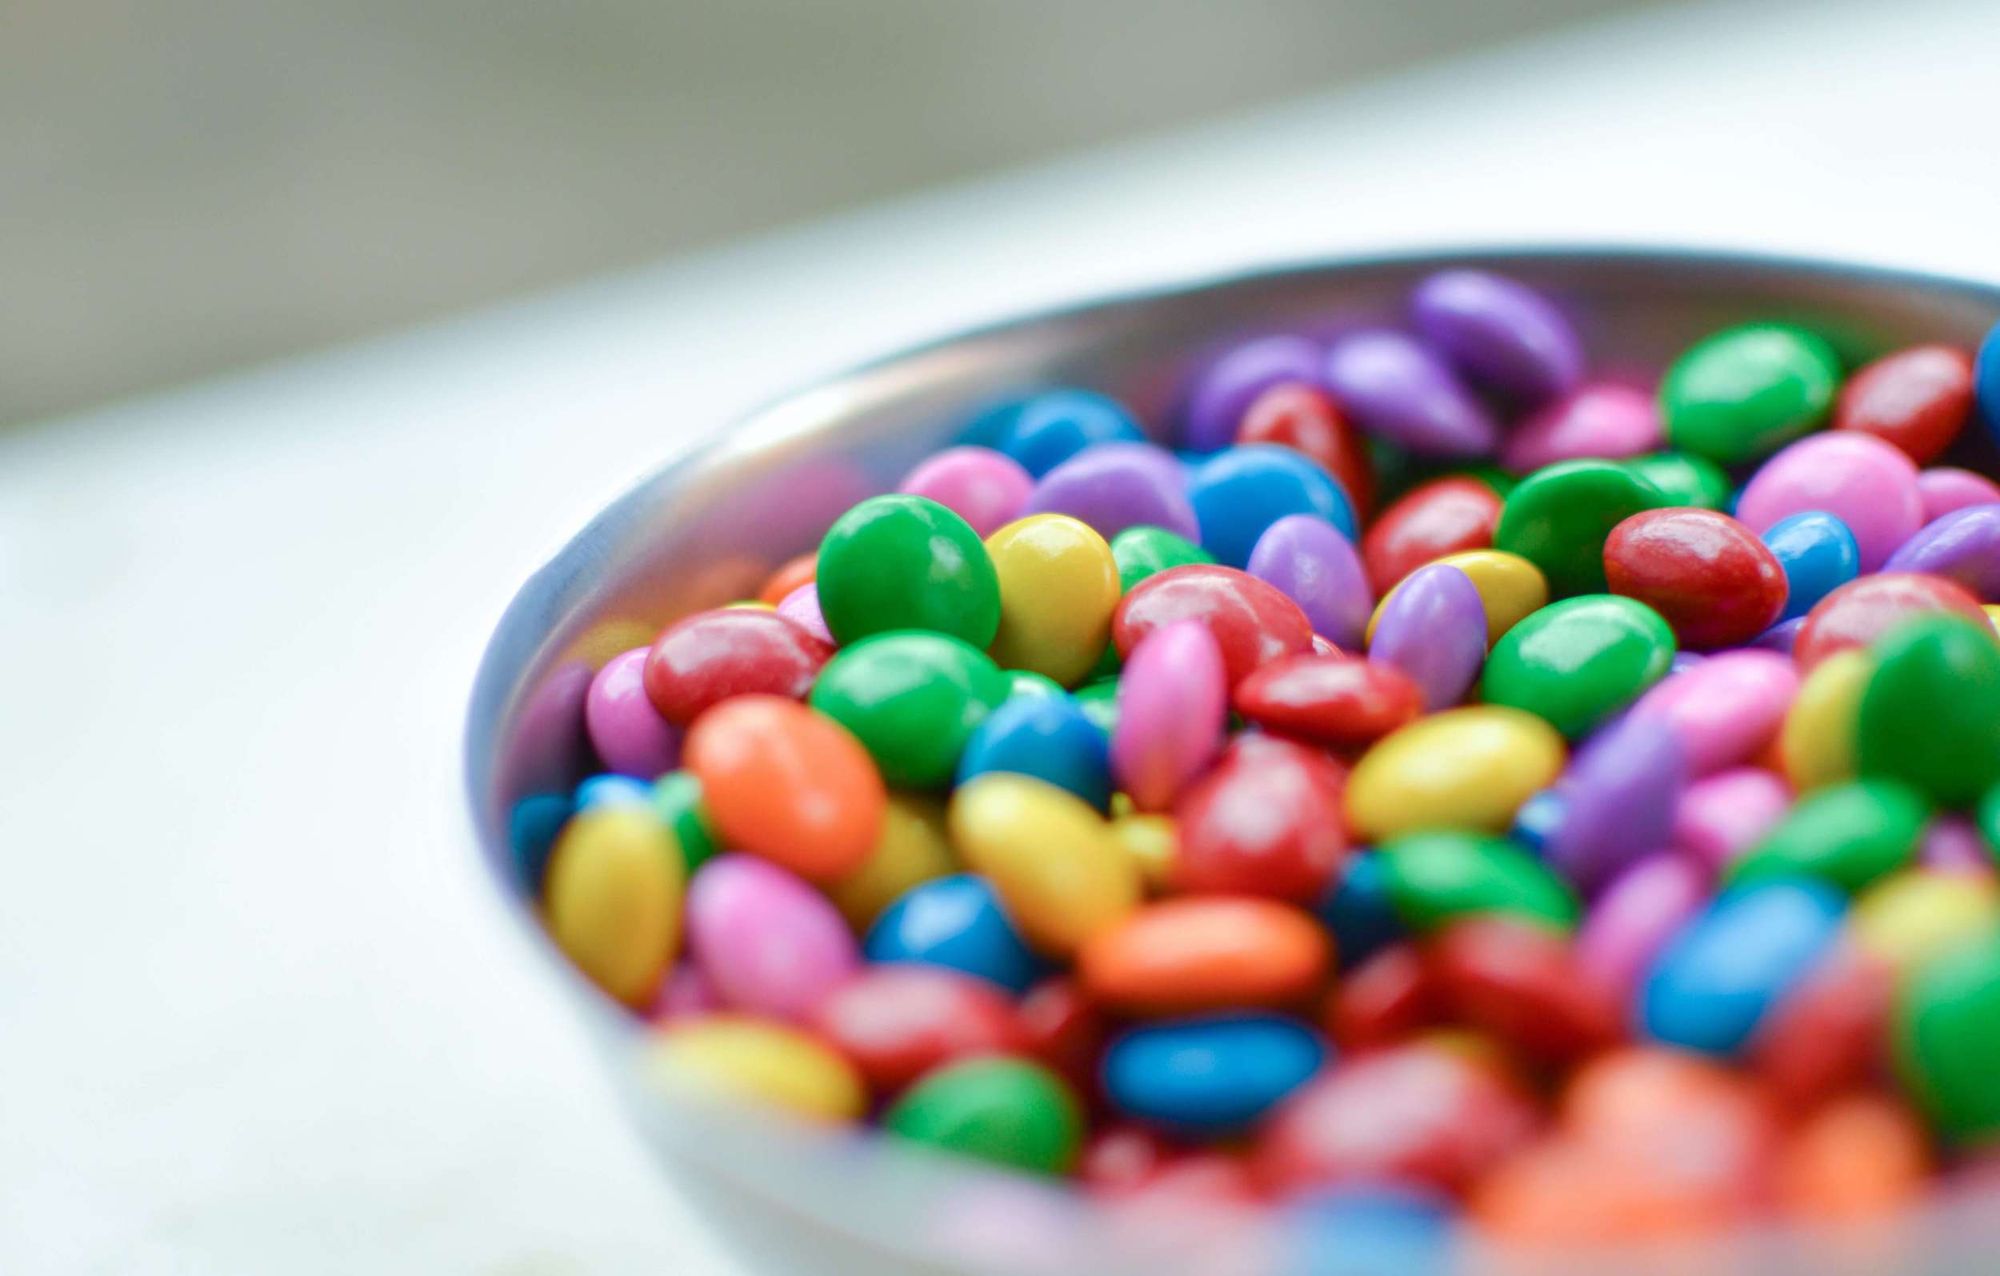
1434, 879
1049, 856
1433, 628
1252, 622
1947, 1040
1510, 588
1930, 714
1524, 984
1559, 517
1058, 588
1846, 834
985, 488
1398, 389
1197, 953
898, 1022
912, 699
1635, 914
1744, 392
1711, 579
1241, 491
1817, 554
1726, 709
955, 921
1963, 546
1863, 610
906, 562
612, 896
626, 730
1209, 1075
1266, 821
1223, 392
1866, 483
1318, 568
1604, 420
758, 1061
1464, 769
1004, 1110
1946, 488
911, 850
1343, 702
1044, 429
1173, 708
1618, 800
1576, 662
1303, 417
1114, 486
1444, 516
1499, 333
713, 655
1049, 738
1141, 552
1917, 399
764, 940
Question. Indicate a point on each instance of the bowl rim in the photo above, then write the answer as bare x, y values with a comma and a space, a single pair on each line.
491, 698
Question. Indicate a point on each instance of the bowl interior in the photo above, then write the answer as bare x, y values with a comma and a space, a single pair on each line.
707, 528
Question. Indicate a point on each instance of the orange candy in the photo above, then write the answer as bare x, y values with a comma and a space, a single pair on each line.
1205, 953
787, 783
1859, 1156
789, 576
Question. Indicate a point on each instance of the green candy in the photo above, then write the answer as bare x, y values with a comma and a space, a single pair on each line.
1849, 835
1684, 479
1436, 878
1007, 1111
905, 562
913, 700
677, 801
1558, 518
1099, 701
1946, 1034
1026, 684
1930, 714
1988, 819
1144, 551
1577, 662
1744, 392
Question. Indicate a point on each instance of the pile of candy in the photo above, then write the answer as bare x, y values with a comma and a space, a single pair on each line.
1571, 807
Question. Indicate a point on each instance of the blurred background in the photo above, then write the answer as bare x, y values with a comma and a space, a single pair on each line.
194, 185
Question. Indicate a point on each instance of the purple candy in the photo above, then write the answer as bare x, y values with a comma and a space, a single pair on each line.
1781, 637
1952, 844
1433, 628
626, 730
1634, 917
1399, 390
1499, 333
1226, 388
1963, 546
1722, 816
1114, 486
1620, 794
1311, 563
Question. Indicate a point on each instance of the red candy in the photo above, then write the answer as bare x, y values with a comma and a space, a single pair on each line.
1917, 399
1441, 517
1863, 610
1418, 1112
1063, 1029
734, 651
1520, 982
1305, 418
1826, 1035
1266, 821
897, 1022
1252, 622
1716, 584
1340, 701
1386, 999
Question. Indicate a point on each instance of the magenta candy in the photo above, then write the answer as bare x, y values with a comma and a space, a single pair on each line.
1782, 637
1619, 796
1634, 916
1173, 704
801, 607
1945, 488
626, 730
1722, 816
1433, 628
1500, 334
1601, 420
1311, 563
1963, 546
1725, 709
1869, 485
1228, 386
684, 994
1114, 486
984, 487
1400, 391
1952, 843
765, 940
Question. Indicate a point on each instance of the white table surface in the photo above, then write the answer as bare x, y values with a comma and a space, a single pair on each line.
257, 1012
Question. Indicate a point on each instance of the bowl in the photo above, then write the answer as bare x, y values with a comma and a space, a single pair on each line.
707, 527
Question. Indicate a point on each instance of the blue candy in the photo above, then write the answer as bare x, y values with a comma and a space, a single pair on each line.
1240, 491
532, 827
1209, 1075
613, 790
956, 922
1539, 819
1717, 978
1819, 555
1369, 1230
1047, 737
1043, 430
1358, 911
1986, 380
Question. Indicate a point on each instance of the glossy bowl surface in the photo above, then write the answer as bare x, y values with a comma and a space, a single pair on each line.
707, 527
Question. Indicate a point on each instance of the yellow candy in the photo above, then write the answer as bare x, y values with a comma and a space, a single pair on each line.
761, 1062
1462, 769
911, 849
1816, 746
1510, 589
1053, 861
613, 898
1992, 611
1907, 919
1058, 588
750, 604
1150, 841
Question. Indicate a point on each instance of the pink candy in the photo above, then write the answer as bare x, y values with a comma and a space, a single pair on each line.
1173, 703
626, 730
1945, 489
984, 487
801, 607
764, 940
1605, 420
1634, 916
1724, 815
1869, 485
1726, 708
